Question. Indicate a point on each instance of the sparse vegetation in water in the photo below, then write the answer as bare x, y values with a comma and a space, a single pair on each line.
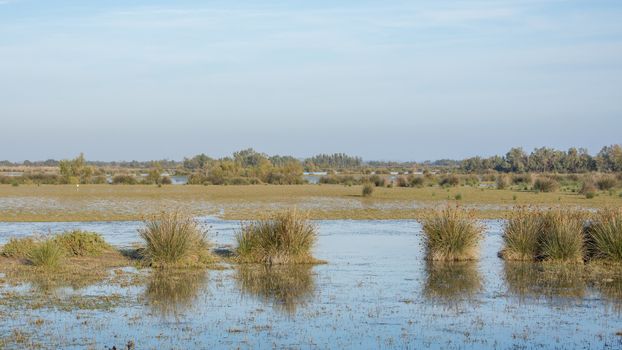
451, 234
368, 190
174, 239
563, 236
47, 254
286, 237
521, 234
605, 235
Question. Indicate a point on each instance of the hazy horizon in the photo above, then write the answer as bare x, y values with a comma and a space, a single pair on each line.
396, 80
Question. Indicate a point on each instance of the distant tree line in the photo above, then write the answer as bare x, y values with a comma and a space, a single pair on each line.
543, 160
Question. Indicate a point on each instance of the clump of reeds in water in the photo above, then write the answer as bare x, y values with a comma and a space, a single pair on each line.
521, 234
563, 236
174, 239
605, 235
451, 234
47, 254
283, 238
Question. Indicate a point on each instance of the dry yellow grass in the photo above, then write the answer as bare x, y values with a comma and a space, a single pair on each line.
122, 202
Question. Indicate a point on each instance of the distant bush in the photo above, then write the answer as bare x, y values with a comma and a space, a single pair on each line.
368, 190
98, 180
47, 254
588, 188
377, 180
525, 179
544, 184
173, 239
283, 238
606, 183
124, 180
502, 182
165, 180
451, 234
458, 197
449, 181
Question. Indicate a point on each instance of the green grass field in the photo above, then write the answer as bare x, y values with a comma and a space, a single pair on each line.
127, 202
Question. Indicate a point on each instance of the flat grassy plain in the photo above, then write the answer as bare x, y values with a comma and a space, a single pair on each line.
131, 202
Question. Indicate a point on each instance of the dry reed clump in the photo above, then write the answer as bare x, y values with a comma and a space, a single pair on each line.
451, 234
545, 184
19, 248
368, 189
521, 234
81, 243
284, 238
605, 235
173, 239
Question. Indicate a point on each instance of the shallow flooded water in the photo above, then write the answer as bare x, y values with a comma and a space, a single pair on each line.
376, 291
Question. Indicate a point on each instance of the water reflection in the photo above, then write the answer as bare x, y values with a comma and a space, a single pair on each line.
171, 293
452, 283
556, 282
286, 287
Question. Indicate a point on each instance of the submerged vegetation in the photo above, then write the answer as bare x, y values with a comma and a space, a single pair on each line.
451, 234
173, 239
286, 237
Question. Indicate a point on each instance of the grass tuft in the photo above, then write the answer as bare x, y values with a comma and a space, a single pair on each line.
47, 254
82, 243
19, 248
451, 234
562, 236
605, 235
285, 237
173, 239
545, 184
368, 189
521, 234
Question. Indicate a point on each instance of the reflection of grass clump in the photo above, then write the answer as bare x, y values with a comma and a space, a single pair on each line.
46, 254
528, 279
605, 235
450, 234
287, 286
284, 238
521, 233
172, 292
174, 239
452, 281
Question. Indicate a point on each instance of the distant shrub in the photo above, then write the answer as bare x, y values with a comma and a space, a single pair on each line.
526, 179
471, 180
451, 234
377, 180
521, 234
368, 190
46, 254
544, 184
417, 181
605, 234
81, 243
165, 180
606, 183
124, 180
588, 187
502, 182
458, 197
402, 181
283, 238
99, 180
173, 239
590, 195
18, 248
449, 181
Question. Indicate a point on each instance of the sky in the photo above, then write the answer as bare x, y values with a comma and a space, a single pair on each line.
385, 80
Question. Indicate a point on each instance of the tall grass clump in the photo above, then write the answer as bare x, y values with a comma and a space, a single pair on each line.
521, 235
562, 236
502, 182
285, 237
47, 254
173, 239
588, 188
606, 183
368, 190
545, 184
451, 234
605, 235
82, 243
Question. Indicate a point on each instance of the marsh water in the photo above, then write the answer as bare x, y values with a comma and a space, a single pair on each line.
376, 291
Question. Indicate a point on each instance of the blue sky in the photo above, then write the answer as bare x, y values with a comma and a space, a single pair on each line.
392, 80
